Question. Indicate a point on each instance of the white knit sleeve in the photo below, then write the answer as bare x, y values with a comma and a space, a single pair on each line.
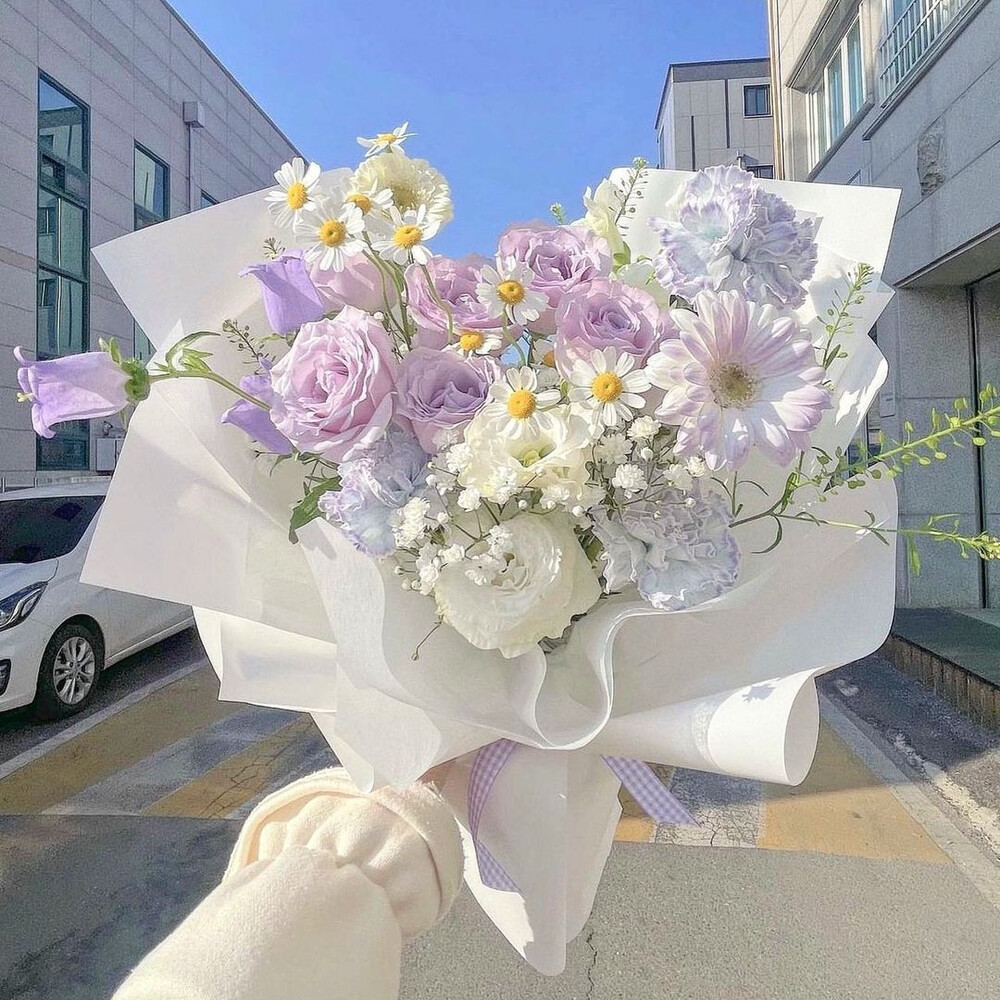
324, 885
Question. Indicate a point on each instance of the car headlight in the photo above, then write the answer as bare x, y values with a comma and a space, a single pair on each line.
17, 607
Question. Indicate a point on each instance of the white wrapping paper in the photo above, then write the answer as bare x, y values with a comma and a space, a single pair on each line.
725, 687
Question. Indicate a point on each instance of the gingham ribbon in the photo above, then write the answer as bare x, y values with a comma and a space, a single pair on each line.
636, 775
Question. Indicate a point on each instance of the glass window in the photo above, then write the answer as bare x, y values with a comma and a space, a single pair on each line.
44, 527
62, 125
757, 100
855, 70
152, 199
819, 121
61, 320
61, 238
763, 170
835, 94
142, 346
207, 200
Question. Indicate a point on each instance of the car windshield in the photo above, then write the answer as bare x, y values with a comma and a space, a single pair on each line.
44, 527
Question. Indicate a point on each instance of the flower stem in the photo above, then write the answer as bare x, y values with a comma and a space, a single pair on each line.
211, 377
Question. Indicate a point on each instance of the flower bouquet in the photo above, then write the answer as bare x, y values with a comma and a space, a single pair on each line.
584, 504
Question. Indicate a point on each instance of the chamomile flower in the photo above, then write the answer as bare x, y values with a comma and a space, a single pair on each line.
520, 403
506, 289
405, 237
386, 142
331, 232
471, 342
296, 188
607, 388
371, 198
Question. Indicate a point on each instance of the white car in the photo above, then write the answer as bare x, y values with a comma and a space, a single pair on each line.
56, 633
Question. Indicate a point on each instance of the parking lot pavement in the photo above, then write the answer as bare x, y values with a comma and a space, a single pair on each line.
114, 824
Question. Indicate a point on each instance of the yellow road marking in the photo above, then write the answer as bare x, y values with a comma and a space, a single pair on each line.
233, 782
166, 716
844, 809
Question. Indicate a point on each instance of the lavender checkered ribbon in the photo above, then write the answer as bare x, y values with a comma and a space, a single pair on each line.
637, 776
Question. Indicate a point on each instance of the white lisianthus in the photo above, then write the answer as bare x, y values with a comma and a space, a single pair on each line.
412, 182
543, 581
640, 275
603, 207
555, 452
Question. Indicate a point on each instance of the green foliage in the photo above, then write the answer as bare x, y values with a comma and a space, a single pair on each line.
307, 509
840, 322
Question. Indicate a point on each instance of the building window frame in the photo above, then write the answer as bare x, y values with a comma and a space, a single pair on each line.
756, 89
764, 171
207, 201
144, 216
62, 182
841, 92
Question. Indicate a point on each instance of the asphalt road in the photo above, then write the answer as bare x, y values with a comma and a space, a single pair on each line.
877, 879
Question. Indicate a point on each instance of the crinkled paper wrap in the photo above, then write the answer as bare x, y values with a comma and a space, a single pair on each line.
726, 687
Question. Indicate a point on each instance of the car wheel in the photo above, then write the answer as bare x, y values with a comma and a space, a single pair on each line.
70, 670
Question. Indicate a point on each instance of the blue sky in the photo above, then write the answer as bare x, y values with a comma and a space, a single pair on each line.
519, 103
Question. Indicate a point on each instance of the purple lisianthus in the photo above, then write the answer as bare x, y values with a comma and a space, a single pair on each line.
455, 283
254, 420
607, 313
677, 555
290, 298
76, 387
441, 390
360, 284
560, 257
377, 482
726, 232
333, 390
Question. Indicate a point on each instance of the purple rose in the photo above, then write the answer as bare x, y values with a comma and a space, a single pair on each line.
609, 313
561, 258
76, 387
290, 299
455, 283
439, 390
334, 388
359, 284
254, 420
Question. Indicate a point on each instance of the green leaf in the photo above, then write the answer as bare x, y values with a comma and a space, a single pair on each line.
307, 509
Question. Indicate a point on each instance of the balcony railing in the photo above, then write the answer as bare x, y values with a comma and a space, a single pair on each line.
911, 38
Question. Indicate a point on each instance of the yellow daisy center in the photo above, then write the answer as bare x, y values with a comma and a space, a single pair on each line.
521, 404
296, 195
362, 201
407, 237
510, 291
606, 387
332, 233
471, 340
550, 359
386, 138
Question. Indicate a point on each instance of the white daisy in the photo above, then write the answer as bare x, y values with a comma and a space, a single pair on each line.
507, 289
521, 402
386, 142
472, 342
296, 187
607, 388
371, 197
406, 235
331, 232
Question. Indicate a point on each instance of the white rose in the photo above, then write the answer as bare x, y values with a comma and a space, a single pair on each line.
555, 455
543, 581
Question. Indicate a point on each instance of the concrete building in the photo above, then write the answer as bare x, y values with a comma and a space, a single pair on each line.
717, 112
113, 116
906, 94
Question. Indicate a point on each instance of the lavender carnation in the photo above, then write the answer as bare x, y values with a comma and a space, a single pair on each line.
727, 232
677, 555
374, 485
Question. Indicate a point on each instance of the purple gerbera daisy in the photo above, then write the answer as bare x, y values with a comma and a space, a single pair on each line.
740, 375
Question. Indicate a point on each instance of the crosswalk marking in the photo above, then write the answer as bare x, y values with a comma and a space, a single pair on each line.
169, 714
